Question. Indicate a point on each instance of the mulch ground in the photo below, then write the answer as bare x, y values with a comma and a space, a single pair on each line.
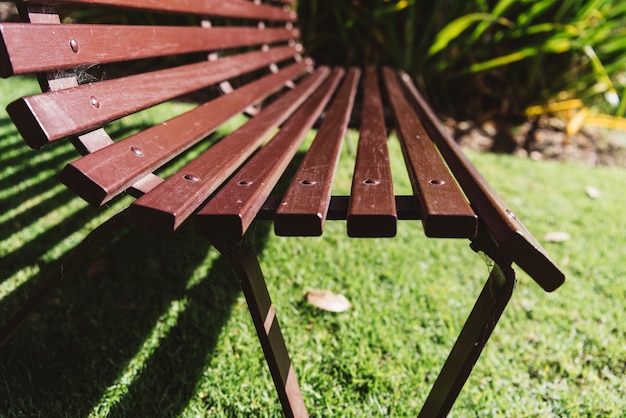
544, 139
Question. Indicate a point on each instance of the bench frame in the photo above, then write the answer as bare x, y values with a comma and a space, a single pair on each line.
496, 231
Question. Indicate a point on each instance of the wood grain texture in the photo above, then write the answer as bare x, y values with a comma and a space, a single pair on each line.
447, 213
407, 208
372, 210
172, 202
304, 207
100, 176
48, 117
510, 234
232, 210
30, 48
230, 8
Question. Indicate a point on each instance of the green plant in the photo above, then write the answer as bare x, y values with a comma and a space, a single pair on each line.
482, 57
475, 59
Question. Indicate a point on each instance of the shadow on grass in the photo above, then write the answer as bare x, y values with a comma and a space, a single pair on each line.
32, 190
127, 323
130, 332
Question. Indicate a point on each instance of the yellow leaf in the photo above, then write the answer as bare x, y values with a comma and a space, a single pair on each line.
576, 123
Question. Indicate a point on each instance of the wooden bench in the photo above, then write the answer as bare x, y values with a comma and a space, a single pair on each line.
250, 50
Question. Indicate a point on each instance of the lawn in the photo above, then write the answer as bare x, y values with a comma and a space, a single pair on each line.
154, 325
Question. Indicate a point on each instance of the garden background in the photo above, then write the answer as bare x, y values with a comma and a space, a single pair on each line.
166, 332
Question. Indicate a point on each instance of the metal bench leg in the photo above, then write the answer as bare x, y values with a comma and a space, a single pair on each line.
246, 265
67, 264
473, 337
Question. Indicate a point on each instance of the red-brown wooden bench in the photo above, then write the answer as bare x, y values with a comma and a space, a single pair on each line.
250, 49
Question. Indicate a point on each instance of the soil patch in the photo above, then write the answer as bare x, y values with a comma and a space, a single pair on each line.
543, 139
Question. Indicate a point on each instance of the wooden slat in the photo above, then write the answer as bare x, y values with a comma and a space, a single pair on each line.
305, 205
372, 205
32, 48
230, 8
514, 240
171, 203
48, 117
447, 214
37, 13
232, 210
407, 208
100, 176
91, 141
145, 185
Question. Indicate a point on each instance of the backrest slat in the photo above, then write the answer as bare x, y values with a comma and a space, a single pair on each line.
305, 205
134, 157
510, 234
169, 205
446, 211
232, 210
54, 115
35, 48
92, 141
229, 8
372, 210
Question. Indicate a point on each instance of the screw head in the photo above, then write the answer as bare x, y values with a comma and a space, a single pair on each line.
191, 178
74, 45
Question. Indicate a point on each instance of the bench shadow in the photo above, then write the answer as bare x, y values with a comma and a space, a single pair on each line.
196, 333
33, 186
129, 333
85, 338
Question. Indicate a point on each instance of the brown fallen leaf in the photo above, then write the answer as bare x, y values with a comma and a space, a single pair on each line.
593, 192
327, 300
557, 237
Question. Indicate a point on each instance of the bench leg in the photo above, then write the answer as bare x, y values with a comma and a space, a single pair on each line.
473, 337
67, 264
246, 265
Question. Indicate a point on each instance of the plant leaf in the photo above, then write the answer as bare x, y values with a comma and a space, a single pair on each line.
453, 29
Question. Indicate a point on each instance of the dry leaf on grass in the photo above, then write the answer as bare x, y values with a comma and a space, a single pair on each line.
328, 301
557, 237
593, 192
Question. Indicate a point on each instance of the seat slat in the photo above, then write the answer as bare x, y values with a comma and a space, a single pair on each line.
372, 211
515, 241
447, 214
145, 185
33, 48
171, 203
230, 8
100, 176
407, 208
47, 117
305, 205
232, 210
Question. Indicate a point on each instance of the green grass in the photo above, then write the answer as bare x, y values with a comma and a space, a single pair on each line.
154, 325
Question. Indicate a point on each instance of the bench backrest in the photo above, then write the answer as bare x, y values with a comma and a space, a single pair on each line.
251, 51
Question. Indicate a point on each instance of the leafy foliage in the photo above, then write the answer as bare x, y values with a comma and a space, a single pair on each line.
475, 59
492, 56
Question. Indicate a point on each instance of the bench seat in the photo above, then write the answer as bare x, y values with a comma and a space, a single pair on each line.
244, 57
